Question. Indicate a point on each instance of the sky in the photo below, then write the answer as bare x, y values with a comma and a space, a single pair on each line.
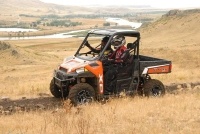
152, 3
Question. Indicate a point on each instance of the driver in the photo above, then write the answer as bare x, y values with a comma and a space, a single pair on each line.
118, 42
102, 45
117, 57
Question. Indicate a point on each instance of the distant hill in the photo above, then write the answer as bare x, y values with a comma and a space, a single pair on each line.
175, 27
175, 36
36, 7
11, 54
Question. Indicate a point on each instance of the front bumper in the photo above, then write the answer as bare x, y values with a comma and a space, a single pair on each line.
62, 79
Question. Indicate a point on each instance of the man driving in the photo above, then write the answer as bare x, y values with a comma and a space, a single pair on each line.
102, 45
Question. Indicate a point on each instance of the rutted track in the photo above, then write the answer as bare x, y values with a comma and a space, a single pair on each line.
8, 106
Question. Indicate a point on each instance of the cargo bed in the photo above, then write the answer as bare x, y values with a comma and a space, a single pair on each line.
152, 65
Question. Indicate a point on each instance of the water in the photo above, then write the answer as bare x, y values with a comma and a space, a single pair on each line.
123, 22
37, 37
58, 36
17, 30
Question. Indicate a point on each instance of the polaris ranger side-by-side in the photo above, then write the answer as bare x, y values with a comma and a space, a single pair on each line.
81, 77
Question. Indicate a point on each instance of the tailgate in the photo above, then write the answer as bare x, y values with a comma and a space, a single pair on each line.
150, 65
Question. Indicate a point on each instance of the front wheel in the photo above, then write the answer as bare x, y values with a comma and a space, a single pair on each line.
81, 93
154, 87
56, 91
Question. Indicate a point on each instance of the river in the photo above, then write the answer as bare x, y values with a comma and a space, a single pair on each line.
59, 35
17, 30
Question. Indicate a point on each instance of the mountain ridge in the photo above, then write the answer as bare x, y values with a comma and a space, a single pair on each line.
37, 7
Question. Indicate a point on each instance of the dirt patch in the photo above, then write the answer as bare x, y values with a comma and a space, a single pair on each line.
9, 49
4, 46
8, 107
176, 88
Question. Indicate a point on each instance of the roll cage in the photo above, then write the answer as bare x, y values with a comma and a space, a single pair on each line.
110, 33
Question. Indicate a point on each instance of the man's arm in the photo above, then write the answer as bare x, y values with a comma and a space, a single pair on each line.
91, 48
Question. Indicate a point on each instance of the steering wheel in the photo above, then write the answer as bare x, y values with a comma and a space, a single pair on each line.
86, 53
104, 57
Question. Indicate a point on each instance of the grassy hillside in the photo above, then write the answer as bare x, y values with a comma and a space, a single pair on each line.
27, 67
180, 27
175, 36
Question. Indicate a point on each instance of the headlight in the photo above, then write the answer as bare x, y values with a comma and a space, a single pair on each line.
80, 70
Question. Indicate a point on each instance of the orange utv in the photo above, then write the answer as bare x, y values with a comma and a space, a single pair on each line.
81, 77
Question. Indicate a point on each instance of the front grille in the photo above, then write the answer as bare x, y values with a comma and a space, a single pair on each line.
61, 75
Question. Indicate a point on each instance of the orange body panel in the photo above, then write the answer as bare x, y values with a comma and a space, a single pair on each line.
97, 70
159, 69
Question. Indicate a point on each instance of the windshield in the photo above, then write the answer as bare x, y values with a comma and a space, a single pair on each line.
100, 46
92, 46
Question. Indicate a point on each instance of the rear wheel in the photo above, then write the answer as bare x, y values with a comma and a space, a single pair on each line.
56, 91
154, 87
81, 93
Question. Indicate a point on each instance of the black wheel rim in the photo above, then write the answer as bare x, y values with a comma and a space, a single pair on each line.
156, 91
84, 97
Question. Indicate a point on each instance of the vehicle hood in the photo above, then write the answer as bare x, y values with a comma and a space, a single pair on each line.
73, 63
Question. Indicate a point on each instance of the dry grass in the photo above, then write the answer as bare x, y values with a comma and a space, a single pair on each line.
170, 114
175, 38
29, 72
